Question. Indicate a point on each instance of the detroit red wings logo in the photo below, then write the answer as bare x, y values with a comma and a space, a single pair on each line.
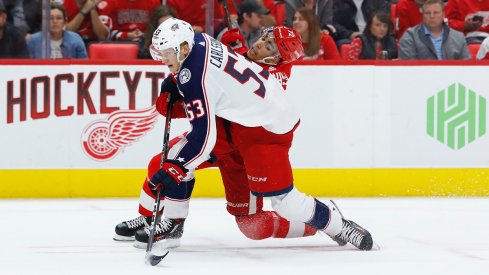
102, 139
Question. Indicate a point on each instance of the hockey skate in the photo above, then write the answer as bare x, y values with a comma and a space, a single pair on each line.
167, 232
126, 230
356, 235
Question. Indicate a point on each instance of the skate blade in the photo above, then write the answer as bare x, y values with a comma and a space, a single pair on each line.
375, 247
120, 238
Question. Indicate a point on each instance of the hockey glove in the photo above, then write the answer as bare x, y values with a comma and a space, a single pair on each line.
170, 174
235, 40
168, 86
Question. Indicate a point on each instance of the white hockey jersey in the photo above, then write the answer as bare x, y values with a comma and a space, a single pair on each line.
215, 81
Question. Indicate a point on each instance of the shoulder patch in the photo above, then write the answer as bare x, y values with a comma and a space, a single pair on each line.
184, 76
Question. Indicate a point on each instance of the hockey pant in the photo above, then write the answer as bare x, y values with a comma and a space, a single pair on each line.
256, 165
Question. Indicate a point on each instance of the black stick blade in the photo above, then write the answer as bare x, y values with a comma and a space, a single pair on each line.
153, 260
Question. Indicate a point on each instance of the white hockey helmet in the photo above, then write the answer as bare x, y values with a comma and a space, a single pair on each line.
170, 35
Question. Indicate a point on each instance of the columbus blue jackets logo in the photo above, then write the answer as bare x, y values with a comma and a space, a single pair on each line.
185, 76
174, 27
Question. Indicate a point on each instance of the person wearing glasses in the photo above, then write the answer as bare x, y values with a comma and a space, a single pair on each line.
64, 43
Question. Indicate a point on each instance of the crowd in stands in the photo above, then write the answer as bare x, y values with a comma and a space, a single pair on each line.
329, 29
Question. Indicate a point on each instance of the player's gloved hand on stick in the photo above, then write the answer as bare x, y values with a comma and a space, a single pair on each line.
235, 40
168, 86
170, 173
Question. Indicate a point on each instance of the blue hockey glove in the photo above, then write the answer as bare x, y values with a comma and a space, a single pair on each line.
170, 174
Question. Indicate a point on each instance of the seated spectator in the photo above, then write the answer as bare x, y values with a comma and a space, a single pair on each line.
268, 20
349, 22
64, 43
33, 16
91, 19
130, 18
483, 52
470, 17
158, 16
250, 21
409, 14
317, 44
376, 38
433, 39
12, 43
15, 14
323, 9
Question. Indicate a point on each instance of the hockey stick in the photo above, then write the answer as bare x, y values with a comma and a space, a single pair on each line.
150, 257
227, 17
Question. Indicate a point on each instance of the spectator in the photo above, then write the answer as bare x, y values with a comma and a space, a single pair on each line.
269, 20
483, 52
409, 14
131, 18
15, 14
323, 9
12, 43
194, 12
89, 18
317, 44
33, 16
158, 16
250, 21
64, 43
433, 39
376, 38
463, 15
348, 22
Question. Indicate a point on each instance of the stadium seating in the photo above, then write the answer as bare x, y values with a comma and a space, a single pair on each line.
344, 51
113, 51
473, 49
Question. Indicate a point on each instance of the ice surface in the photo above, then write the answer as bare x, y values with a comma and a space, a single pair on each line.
417, 236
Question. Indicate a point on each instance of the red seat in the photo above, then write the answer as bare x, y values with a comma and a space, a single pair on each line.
344, 49
473, 50
118, 51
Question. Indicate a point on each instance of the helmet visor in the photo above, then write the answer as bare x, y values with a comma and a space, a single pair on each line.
269, 40
163, 55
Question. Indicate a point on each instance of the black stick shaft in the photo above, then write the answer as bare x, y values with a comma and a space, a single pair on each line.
164, 154
227, 17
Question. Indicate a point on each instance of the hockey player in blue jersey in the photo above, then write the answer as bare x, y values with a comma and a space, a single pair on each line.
241, 114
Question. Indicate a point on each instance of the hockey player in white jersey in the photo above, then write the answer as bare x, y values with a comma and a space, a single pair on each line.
225, 93
275, 51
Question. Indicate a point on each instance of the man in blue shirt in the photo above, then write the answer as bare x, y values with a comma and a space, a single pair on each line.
433, 39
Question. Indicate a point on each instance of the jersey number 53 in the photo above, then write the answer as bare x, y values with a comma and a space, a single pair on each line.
246, 75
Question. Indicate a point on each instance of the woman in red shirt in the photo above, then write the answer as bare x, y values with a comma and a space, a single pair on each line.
318, 45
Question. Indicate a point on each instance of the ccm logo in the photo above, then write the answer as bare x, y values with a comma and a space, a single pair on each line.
257, 179
175, 172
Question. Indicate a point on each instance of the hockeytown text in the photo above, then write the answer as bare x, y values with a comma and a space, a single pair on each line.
47, 95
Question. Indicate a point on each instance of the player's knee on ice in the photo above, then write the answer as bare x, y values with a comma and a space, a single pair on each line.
256, 227
296, 206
